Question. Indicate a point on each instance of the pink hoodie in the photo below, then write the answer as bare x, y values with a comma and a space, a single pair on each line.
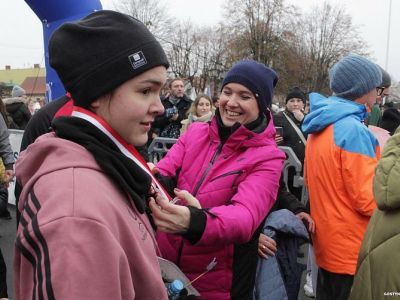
78, 238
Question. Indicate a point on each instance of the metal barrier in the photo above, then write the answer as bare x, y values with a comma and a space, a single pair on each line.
160, 146
292, 161
298, 180
15, 136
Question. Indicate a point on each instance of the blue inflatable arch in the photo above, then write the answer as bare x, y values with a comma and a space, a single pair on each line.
53, 13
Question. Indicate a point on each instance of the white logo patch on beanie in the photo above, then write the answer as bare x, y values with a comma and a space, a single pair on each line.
137, 59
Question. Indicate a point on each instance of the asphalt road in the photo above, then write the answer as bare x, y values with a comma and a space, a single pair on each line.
7, 237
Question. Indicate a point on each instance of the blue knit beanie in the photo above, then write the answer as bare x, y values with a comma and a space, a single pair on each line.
354, 76
255, 76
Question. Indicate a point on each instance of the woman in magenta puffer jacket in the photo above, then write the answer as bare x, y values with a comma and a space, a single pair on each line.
231, 168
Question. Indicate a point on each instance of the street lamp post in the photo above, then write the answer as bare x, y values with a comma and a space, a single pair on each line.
388, 36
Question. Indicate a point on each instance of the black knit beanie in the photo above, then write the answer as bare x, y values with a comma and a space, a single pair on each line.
98, 53
390, 120
296, 93
255, 76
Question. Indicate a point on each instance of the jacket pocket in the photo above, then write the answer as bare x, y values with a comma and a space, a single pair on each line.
230, 173
229, 179
221, 188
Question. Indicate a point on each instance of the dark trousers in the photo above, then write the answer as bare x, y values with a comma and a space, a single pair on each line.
3, 200
3, 277
333, 286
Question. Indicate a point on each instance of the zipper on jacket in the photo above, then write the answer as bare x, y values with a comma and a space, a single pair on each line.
178, 263
210, 164
239, 172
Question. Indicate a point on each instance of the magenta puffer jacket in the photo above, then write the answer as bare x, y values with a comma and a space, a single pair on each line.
236, 184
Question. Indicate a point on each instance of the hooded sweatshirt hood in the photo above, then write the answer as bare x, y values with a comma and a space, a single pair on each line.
343, 115
32, 164
326, 111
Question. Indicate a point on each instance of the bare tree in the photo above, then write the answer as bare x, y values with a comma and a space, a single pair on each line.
328, 35
256, 27
209, 55
153, 13
300, 47
180, 53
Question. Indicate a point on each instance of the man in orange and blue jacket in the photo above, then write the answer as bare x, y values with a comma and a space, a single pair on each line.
341, 156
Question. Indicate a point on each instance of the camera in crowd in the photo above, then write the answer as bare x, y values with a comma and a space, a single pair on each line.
169, 112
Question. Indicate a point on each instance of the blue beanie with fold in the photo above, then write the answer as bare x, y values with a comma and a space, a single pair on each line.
255, 76
354, 76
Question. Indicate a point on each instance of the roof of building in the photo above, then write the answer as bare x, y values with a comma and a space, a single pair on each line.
17, 76
34, 85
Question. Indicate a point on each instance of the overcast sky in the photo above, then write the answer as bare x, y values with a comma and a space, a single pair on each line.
21, 42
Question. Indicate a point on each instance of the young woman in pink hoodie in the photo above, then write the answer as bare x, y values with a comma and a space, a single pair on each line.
84, 232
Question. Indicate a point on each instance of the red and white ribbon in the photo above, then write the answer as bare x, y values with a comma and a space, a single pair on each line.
127, 149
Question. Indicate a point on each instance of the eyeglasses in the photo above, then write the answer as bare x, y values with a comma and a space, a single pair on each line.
379, 90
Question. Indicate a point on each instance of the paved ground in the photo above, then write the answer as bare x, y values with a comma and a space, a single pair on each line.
7, 233
7, 237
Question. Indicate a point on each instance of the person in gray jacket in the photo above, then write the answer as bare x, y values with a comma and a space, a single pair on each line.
8, 161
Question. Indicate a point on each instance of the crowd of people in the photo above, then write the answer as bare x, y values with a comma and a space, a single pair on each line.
93, 216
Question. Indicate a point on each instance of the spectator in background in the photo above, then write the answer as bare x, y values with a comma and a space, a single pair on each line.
379, 260
383, 91
215, 101
232, 166
33, 106
176, 105
201, 110
388, 105
290, 120
341, 157
84, 186
17, 109
390, 120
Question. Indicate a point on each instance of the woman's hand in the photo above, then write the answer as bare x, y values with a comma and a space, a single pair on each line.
306, 217
172, 218
8, 176
185, 198
266, 246
278, 139
154, 170
299, 115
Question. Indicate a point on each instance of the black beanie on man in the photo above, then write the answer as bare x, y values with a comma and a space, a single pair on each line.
98, 53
